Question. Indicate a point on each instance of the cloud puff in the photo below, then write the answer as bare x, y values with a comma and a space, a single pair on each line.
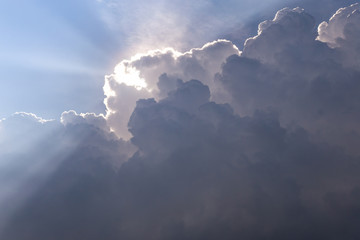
342, 32
284, 68
290, 27
339, 26
73, 118
137, 78
258, 144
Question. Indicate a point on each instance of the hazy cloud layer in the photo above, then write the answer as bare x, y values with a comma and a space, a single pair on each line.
32, 149
258, 144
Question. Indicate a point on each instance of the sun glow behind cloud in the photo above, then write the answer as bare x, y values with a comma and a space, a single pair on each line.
138, 77
129, 76
126, 73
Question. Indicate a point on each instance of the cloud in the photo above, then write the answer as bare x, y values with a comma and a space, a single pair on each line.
290, 27
72, 118
199, 174
334, 31
224, 144
306, 81
342, 33
210, 174
138, 77
32, 150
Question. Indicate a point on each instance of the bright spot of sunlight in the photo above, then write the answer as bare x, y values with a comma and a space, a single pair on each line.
128, 75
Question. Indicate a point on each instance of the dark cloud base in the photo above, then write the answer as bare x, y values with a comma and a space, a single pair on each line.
279, 161
208, 174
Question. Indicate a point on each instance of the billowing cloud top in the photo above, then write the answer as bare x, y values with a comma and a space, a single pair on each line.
224, 144
139, 77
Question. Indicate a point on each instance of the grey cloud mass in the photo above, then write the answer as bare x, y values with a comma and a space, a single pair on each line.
306, 81
224, 144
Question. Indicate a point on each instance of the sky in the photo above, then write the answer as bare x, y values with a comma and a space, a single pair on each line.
53, 51
179, 119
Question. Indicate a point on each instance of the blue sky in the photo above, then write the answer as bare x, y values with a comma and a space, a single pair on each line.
52, 54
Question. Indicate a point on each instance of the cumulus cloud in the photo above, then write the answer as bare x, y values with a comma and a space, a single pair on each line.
290, 27
137, 78
339, 26
286, 69
73, 118
224, 144
342, 33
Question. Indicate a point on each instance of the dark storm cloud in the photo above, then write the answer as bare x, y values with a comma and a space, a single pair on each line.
278, 161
